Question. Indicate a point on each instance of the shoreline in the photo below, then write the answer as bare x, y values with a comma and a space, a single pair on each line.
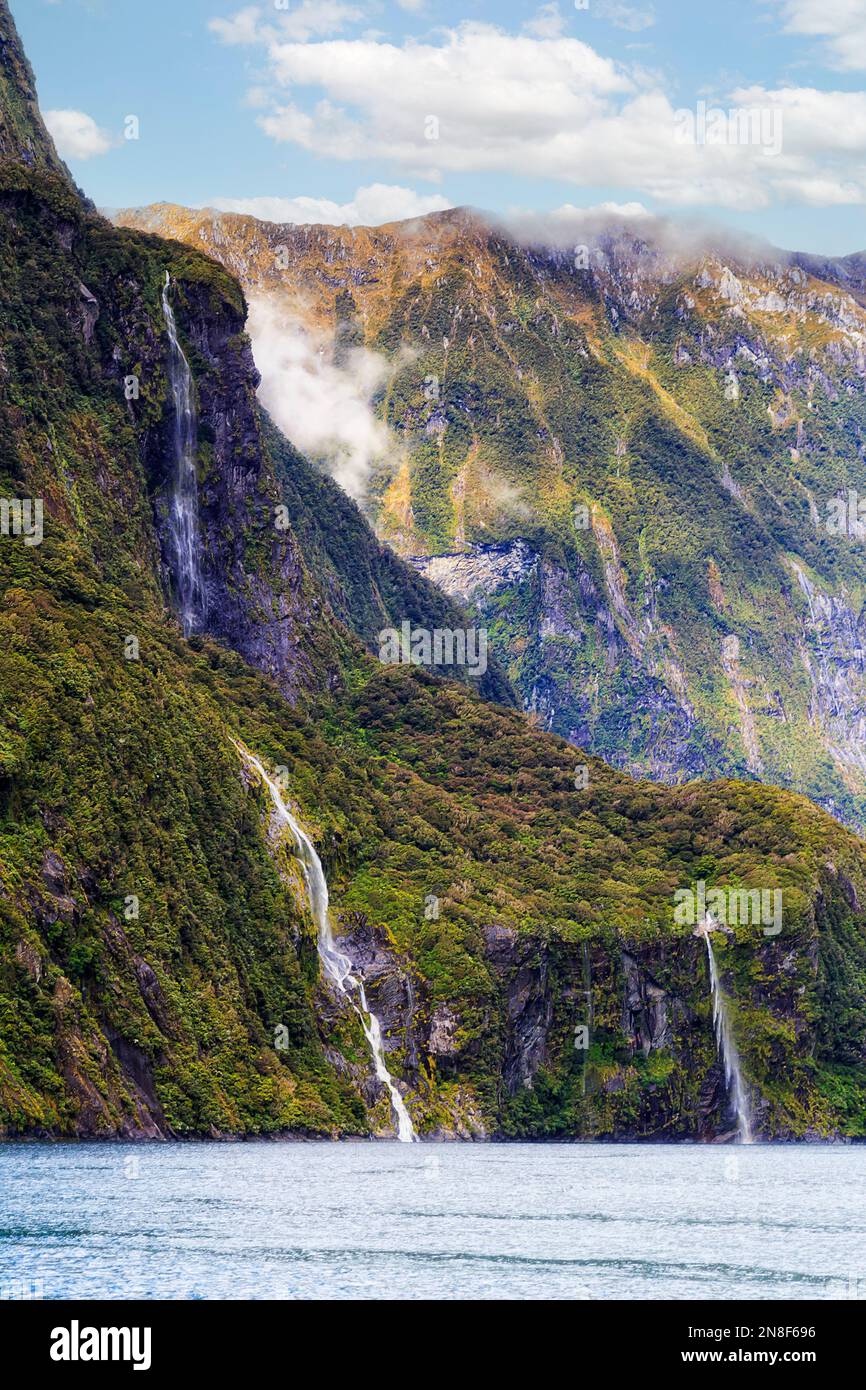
290, 1137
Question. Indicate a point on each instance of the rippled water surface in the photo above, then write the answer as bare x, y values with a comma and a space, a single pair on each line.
386, 1220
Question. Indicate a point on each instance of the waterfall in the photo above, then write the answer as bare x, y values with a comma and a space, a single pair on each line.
335, 964
183, 528
726, 1045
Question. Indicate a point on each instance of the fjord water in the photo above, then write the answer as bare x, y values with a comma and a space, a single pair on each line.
336, 965
184, 537
388, 1220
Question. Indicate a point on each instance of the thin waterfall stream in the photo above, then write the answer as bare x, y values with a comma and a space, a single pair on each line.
336, 965
183, 525
726, 1045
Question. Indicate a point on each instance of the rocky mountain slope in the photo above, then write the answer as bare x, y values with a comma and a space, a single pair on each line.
23, 134
509, 900
644, 464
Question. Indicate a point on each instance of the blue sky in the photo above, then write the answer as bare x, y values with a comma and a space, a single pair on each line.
370, 109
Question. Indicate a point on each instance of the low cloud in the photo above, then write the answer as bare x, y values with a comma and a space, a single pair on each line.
679, 240
560, 225
840, 23
542, 104
325, 409
370, 207
308, 20
76, 135
623, 16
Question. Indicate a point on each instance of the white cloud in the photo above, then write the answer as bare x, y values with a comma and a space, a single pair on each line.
679, 238
313, 18
815, 123
627, 211
840, 23
570, 225
310, 19
548, 23
324, 409
497, 98
624, 16
243, 27
371, 206
76, 135
478, 99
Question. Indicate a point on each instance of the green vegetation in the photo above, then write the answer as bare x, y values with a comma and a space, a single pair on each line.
158, 972
705, 436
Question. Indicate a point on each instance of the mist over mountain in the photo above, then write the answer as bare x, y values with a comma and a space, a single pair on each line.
637, 447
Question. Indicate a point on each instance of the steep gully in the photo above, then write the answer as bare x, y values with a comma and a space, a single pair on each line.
184, 546
336, 965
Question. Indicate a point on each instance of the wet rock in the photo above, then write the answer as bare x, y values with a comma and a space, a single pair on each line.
645, 1014
89, 313
57, 903
149, 1120
522, 967
441, 1040
54, 874
389, 983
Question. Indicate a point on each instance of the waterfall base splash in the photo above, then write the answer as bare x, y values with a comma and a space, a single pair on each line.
336, 965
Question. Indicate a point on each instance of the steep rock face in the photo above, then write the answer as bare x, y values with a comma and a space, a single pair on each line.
140, 979
673, 422
260, 599
834, 653
522, 971
550, 616
23, 136
477, 573
645, 1008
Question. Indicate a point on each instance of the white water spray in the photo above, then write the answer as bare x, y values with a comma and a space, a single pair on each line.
726, 1045
336, 965
183, 516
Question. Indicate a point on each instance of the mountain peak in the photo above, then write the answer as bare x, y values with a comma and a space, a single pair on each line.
24, 137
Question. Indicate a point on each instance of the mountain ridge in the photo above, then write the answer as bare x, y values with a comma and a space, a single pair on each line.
702, 416
508, 900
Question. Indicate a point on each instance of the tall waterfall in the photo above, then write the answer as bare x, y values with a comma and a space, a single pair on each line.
184, 536
335, 964
727, 1047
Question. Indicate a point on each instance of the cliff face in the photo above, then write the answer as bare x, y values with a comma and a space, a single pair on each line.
509, 900
105, 296
261, 600
103, 300
23, 136
598, 1022
671, 432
